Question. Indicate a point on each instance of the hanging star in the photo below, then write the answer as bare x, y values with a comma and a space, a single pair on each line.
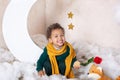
70, 15
70, 26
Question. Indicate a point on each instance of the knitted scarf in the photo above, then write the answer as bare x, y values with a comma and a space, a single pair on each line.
52, 52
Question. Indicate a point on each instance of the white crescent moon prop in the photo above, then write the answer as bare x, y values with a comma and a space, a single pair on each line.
15, 31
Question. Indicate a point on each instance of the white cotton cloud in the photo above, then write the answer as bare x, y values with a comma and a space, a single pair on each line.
6, 72
12, 69
6, 56
110, 59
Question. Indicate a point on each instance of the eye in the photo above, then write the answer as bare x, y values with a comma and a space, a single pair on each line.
62, 35
56, 36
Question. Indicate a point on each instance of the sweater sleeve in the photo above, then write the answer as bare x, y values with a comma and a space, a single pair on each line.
41, 60
73, 60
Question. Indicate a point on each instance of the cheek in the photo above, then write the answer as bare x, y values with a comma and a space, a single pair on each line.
50, 40
63, 38
54, 40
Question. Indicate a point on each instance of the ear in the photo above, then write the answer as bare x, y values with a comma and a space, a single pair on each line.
99, 68
100, 71
50, 40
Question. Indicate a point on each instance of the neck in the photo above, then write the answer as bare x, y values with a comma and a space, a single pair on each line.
57, 47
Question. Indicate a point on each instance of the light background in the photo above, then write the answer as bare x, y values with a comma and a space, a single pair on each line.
95, 21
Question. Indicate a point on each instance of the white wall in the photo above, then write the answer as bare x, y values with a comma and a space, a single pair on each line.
3, 4
94, 20
36, 18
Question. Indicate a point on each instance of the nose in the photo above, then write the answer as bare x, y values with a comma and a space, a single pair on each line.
60, 38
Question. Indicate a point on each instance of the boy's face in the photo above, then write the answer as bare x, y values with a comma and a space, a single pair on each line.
57, 38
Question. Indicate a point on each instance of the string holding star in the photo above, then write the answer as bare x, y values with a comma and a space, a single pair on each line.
70, 15
70, 26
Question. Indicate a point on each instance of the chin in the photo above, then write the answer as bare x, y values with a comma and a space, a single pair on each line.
61, 45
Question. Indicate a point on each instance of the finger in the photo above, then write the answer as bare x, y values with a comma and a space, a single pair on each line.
43, 73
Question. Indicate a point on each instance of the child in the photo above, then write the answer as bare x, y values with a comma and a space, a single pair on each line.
58, 56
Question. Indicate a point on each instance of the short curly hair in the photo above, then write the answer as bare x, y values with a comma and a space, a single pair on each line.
53, 27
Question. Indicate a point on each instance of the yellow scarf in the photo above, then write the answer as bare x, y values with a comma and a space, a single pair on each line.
52, 52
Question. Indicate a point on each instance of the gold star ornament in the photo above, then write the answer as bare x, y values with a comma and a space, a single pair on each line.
70, 15
70, 26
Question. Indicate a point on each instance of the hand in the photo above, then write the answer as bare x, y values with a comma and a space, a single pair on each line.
76, 65
41, 73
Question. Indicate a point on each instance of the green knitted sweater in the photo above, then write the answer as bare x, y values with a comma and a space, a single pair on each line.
61, 58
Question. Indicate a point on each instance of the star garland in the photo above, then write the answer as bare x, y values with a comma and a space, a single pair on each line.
70, 16
70, 26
